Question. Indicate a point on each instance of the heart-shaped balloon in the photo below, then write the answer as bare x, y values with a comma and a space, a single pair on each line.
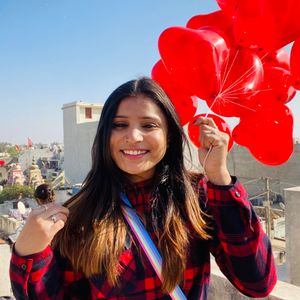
217, 20
194, 130
266, 24
278, 82
259, 131
241, 78
278, 59
185, 105
228, 6
295, 64
194, 58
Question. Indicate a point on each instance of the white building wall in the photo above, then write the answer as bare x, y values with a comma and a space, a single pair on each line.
79, 134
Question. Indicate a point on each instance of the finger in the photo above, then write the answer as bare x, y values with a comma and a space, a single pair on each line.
209, 129
57, 221
208, 135
212, 123
44, 207
57, 226
50, 209
57, 217
55, 210
205, 121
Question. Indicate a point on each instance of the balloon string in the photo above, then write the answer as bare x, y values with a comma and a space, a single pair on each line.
241, 78
228, 72
248, 73
204, 161
229, 92
238, 104
235, 92
210, 147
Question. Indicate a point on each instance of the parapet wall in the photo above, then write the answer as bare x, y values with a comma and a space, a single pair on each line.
8, 224
221, 288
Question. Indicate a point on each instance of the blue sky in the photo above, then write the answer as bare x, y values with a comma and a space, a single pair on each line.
54, 52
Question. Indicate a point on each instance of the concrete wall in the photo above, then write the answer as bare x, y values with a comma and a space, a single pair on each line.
242, 164
79, 135
292, 223
8, 224
5, 289
221, 288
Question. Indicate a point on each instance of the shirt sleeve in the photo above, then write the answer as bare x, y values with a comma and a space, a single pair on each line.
242, 250
44, 276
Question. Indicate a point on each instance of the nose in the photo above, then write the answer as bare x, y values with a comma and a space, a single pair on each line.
134, 135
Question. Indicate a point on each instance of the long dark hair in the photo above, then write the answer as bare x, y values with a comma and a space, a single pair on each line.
94, 235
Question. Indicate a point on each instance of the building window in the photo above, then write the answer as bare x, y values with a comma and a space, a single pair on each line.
88, 112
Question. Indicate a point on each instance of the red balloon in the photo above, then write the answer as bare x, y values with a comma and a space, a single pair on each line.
241, 78
229, 6
194, 131
266, 24
295, 64
2, 162
278, 82
217, 20
272, 121
272, 155
185, 105
193, 58
279, 59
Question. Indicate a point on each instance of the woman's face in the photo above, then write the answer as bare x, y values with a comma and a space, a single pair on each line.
138, 140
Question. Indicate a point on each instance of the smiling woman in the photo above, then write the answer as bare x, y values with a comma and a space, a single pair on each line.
87, 250
139, 137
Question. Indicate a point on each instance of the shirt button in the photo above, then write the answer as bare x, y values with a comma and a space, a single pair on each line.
24, 267
238, 194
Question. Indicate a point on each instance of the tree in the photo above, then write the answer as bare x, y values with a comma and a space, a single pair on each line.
14, 191
4, 146
12, 151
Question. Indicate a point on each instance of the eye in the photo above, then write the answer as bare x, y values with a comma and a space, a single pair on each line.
149, 125
119, 125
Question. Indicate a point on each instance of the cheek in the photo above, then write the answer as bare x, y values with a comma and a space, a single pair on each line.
161, 143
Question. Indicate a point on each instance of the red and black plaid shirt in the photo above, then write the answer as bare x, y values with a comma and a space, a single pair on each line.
241, 249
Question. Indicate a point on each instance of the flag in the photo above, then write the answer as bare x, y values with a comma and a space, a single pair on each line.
29, 143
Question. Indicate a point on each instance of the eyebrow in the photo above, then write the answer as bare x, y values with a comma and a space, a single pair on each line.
143, 118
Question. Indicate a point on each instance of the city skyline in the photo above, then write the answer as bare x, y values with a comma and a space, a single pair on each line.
55, 52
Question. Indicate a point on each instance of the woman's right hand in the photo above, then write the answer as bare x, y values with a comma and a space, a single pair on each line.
40, 228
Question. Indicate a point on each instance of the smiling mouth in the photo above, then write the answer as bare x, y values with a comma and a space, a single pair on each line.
134, 152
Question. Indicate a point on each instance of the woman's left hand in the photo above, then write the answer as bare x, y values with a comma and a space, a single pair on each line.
213, 151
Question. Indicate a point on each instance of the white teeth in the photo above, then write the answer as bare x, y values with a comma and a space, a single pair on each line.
134, 152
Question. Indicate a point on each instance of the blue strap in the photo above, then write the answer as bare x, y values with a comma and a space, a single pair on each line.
147, 244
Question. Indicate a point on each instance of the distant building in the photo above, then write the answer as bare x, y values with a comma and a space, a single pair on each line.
48, 159
34, 175
80, 121
15, 175
3, 173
